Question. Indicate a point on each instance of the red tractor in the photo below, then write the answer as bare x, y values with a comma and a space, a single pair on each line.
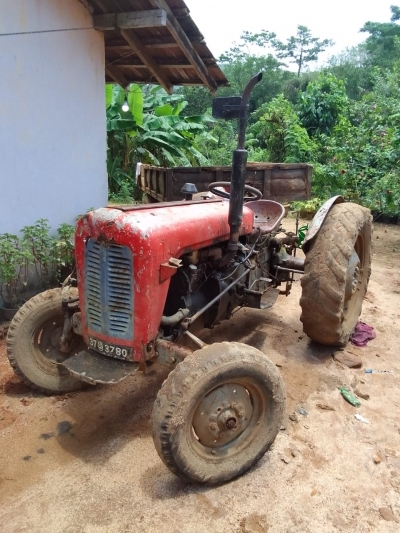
151, 277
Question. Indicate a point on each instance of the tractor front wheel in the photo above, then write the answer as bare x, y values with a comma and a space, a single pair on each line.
336, 273
33, 344
218, 412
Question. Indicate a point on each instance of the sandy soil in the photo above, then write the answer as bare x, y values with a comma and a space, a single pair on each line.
85, 462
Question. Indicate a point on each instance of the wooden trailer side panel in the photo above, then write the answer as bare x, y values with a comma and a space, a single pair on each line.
277, 181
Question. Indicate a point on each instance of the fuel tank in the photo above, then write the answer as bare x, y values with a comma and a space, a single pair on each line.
125, 259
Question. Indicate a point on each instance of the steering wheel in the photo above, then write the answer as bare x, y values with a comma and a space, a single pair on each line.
255, 193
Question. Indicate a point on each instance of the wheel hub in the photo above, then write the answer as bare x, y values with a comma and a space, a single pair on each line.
48, 342
222, 415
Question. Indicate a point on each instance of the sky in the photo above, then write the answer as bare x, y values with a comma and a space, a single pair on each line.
222, 21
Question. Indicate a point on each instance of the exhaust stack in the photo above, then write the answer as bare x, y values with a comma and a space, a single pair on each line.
236, 107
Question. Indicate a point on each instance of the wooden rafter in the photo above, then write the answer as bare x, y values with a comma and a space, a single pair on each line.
161, 62
100, 5
145, 43
184, 43
152, 42
131, 20
115, 73
140, 50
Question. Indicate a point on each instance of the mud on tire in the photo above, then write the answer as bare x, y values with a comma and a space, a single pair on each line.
32, 344
336, 274
218, 412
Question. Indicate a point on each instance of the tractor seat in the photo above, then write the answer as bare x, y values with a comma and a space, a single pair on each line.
267, 214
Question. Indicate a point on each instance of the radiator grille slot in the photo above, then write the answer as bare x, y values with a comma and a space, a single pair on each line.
109, 289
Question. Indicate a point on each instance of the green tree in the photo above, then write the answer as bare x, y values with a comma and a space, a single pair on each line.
240, 64
300, 49
198, 99
383, 42
352, 66
279, 131
322, 103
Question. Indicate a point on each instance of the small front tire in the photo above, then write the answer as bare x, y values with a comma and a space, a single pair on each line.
33, 344
218, 412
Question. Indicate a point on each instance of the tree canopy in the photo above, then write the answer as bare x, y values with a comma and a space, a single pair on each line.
343, 118
383, 42
300, 49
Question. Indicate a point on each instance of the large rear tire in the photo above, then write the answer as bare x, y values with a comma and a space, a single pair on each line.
336, 274
33, 344
218, 412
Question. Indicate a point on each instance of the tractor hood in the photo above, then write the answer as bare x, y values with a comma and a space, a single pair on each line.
148, 242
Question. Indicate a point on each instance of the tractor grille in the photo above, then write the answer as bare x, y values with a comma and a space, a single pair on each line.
109, 289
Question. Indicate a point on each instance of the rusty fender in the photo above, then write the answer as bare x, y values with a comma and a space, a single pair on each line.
318, 220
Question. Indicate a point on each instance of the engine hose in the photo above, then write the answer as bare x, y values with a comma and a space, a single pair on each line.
174, 319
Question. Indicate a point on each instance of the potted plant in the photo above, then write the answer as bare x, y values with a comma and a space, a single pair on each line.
14, 259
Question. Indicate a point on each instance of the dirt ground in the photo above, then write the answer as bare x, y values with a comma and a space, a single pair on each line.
85, 462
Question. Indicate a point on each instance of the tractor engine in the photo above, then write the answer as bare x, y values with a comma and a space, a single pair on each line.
199, 281
149, 271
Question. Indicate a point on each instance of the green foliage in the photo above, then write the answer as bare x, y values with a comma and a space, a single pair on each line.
344, 120
384, 194
353, 67
308, 207
219, 151
14, 258
383, 42
42, 247
359, 157
300, 49
65, 256
151, 131
198, 99
123, 194
278, 130
239, 65
295, 86
322, 103
36, 253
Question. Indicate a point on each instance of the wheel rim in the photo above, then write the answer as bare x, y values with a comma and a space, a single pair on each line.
224, 421
355, 277
46, 345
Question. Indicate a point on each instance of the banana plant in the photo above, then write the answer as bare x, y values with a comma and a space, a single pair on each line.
151, 131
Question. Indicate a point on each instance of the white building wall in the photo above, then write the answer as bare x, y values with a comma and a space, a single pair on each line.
52, 114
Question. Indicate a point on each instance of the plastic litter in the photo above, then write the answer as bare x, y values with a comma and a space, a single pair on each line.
303, 411
361, 419
350, 397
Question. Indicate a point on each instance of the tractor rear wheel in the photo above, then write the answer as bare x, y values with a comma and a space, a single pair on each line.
336, 274
218, 412
33, 344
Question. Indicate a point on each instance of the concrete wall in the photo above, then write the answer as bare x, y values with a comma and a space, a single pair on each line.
52, 114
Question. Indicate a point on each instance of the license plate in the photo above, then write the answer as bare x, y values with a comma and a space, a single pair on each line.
106, 348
